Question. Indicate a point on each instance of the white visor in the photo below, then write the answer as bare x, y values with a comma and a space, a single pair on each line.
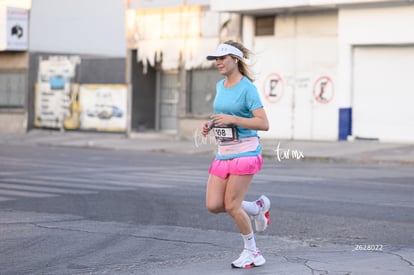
225, 49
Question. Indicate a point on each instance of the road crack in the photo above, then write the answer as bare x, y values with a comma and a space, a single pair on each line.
51, 227
37, 222
314, 271
402, 258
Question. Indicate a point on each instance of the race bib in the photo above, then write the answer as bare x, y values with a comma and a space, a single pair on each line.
225, 133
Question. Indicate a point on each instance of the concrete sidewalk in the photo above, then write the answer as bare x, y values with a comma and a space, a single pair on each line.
345, 151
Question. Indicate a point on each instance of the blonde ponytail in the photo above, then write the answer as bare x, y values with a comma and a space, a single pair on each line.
243, 67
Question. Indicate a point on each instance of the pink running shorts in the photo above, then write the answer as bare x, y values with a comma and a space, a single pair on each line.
236, 166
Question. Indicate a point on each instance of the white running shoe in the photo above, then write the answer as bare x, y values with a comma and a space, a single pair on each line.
262, 220
249, 259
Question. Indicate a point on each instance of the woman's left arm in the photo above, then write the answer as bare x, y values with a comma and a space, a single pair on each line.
259, 120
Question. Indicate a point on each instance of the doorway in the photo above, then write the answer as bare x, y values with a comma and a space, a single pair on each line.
143, 114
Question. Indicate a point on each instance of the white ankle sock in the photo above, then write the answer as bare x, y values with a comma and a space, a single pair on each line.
250, 207
249, 242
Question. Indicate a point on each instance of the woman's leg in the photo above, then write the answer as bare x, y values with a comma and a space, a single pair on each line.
236, 189
216, 188
227, 195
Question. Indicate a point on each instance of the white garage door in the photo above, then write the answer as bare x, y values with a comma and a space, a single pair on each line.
383, 93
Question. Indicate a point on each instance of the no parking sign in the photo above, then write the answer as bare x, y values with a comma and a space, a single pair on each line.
323, 89
274, 87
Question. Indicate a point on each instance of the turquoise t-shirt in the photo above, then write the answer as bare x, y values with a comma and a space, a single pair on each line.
240, 100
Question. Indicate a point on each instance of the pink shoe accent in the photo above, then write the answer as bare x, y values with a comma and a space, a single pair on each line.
267, 216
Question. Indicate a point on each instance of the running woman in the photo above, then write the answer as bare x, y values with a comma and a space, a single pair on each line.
238, 116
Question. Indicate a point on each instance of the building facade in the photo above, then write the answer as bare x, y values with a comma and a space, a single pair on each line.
326, 70
71, 74
14, 66
167, 43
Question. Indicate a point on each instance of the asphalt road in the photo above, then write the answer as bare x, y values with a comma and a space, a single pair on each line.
67, 211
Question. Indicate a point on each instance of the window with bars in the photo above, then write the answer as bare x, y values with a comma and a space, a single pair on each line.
12, 89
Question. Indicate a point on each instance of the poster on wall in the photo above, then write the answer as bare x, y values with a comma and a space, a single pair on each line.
103, 107
14, 32
53, 92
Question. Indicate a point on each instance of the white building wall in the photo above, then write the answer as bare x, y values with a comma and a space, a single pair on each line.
369, 26
376, 47
95, 27
303, 49
266, 6
150, 4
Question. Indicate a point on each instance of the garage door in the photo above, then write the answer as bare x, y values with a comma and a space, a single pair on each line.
383, 93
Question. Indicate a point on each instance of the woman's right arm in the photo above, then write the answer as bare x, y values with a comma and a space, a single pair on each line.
207, 127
